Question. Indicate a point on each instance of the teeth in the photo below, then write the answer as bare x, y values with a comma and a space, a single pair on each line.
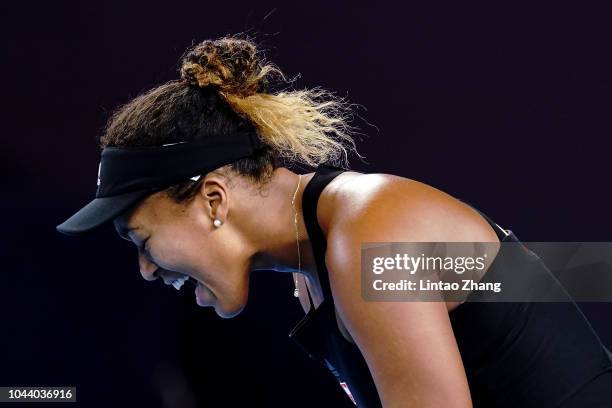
178, 283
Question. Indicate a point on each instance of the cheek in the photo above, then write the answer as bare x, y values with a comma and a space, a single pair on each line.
173, 251
211, 259
189, 253
218, 265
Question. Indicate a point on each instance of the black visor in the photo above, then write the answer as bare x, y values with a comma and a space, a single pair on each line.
127, 175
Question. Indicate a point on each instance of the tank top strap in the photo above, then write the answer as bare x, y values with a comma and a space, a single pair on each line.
324, 174
501, 233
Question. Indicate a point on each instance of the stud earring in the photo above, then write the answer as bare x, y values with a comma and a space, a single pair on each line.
217, 222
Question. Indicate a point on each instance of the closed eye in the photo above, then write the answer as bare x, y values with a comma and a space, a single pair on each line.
143, 248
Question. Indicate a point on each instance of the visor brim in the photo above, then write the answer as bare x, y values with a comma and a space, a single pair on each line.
100, 211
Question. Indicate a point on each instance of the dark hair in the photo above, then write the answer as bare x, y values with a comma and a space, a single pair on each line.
224, 88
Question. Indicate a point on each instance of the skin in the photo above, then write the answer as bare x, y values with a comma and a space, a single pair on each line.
420, 364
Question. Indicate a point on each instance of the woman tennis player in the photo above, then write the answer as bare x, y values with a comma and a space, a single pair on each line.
191, 172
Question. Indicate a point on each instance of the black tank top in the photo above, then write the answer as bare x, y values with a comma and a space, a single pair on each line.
515, 354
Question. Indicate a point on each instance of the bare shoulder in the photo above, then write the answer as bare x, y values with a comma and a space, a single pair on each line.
379, 207
395, 208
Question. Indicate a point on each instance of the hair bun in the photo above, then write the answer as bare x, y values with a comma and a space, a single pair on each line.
229, 63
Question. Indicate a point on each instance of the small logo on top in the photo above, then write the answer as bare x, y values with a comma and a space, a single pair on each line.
99, 167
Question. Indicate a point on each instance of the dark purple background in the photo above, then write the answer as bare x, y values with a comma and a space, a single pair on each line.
505, 105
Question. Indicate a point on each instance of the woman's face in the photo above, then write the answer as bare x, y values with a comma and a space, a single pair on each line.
179, 243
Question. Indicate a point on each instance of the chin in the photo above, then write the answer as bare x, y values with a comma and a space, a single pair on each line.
228, 313
232, 308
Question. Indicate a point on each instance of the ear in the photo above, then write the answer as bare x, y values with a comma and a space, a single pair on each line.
214, 190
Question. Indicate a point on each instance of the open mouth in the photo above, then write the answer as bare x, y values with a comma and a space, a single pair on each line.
178, 282
204, 296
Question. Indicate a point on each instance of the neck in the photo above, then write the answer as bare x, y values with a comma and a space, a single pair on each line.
272, 231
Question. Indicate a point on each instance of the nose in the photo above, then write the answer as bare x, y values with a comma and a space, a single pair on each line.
148, 269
